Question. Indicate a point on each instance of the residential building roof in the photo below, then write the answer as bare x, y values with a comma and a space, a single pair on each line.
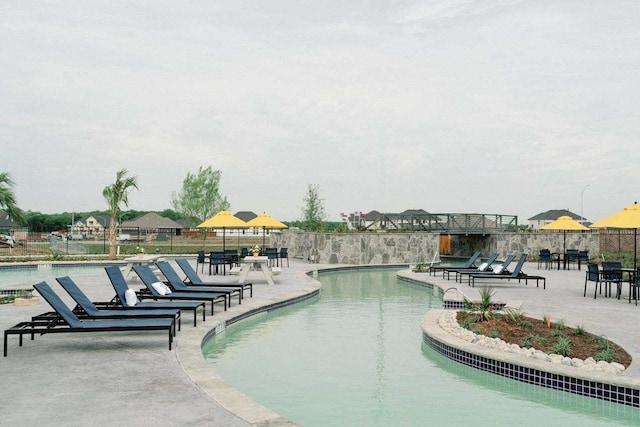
553, 214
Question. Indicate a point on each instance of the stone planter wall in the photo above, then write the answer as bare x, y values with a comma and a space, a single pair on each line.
409, 248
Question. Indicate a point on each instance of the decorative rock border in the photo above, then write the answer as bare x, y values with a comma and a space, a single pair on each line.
449, 323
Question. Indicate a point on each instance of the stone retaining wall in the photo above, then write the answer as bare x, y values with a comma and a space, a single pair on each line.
400, 248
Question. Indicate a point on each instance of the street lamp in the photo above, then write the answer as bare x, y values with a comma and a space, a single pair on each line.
581, 203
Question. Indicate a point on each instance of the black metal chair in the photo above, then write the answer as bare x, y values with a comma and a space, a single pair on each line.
544, 259
583, 257
244, 252
611, 274
216, 259
231, 257
272, 254
284, 254
593, 275
570, 256
634, 286
200, 260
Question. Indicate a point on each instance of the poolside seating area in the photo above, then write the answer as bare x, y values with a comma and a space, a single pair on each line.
127, 310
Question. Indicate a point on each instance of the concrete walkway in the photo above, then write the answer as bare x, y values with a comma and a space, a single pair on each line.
132, 379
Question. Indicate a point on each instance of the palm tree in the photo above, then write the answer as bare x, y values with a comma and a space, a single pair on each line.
8, 198
116, 194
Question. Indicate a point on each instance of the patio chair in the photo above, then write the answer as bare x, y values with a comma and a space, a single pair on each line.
611, 274
201, 259
634, 286
544, 259
284, 254
485, 266
86, 308
570, 256
272, 256
593, 275
120, 286
583, 258
149, 279
469, 264
516, 274
195, 280
73, 323
216, 259
177, 284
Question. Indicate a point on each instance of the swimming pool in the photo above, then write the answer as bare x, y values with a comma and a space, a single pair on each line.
18, 275
354, 356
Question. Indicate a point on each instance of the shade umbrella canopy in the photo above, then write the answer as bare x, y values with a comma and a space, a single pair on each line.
224, 220
628, 217
564, 223
264, 221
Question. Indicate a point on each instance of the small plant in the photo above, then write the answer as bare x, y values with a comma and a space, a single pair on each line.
526, 324
493, 334
420, 267
513, 315
546, 319
483, 309
602, 342
467, 323
557, 333
559, 324
579, 330
562, 347
531, 339
606, 355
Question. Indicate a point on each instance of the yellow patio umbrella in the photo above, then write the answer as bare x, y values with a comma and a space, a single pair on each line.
628, 217
264, 221
564, 223
224, 220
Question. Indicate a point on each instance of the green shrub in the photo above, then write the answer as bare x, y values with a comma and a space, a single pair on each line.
562, 347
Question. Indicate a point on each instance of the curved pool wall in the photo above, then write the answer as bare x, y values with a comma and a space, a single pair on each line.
599, 385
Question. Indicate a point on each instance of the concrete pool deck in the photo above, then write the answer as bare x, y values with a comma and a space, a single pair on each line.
132, 379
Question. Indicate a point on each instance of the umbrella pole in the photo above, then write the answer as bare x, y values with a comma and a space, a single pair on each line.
635, 248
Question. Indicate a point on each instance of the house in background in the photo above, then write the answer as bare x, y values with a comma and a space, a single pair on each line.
544, 218
149, 226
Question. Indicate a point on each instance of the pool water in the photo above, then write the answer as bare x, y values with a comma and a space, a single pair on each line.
354, 356
30, 274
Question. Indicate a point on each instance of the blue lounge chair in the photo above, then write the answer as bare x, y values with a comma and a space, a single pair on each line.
485, 266
502, 268
120, 286
195, 280
177, 284
516, 274
469, 264
149, 278
73, 323
86, 308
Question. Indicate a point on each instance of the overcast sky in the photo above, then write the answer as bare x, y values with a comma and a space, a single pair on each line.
507, 107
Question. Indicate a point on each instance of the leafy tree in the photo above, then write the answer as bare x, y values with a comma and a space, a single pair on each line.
313, 212
200, 196
8, 198
115, 195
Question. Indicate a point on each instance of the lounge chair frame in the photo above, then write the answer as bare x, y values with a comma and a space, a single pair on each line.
148, 277
193, 279
73, 324
120, 286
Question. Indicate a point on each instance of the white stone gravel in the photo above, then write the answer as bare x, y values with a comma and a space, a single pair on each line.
449, 324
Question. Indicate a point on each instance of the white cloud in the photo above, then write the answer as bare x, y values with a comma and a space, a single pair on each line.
504, 107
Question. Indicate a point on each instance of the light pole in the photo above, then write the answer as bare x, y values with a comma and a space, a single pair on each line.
581, 203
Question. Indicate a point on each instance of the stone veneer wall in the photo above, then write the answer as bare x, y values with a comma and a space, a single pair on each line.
400, 248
